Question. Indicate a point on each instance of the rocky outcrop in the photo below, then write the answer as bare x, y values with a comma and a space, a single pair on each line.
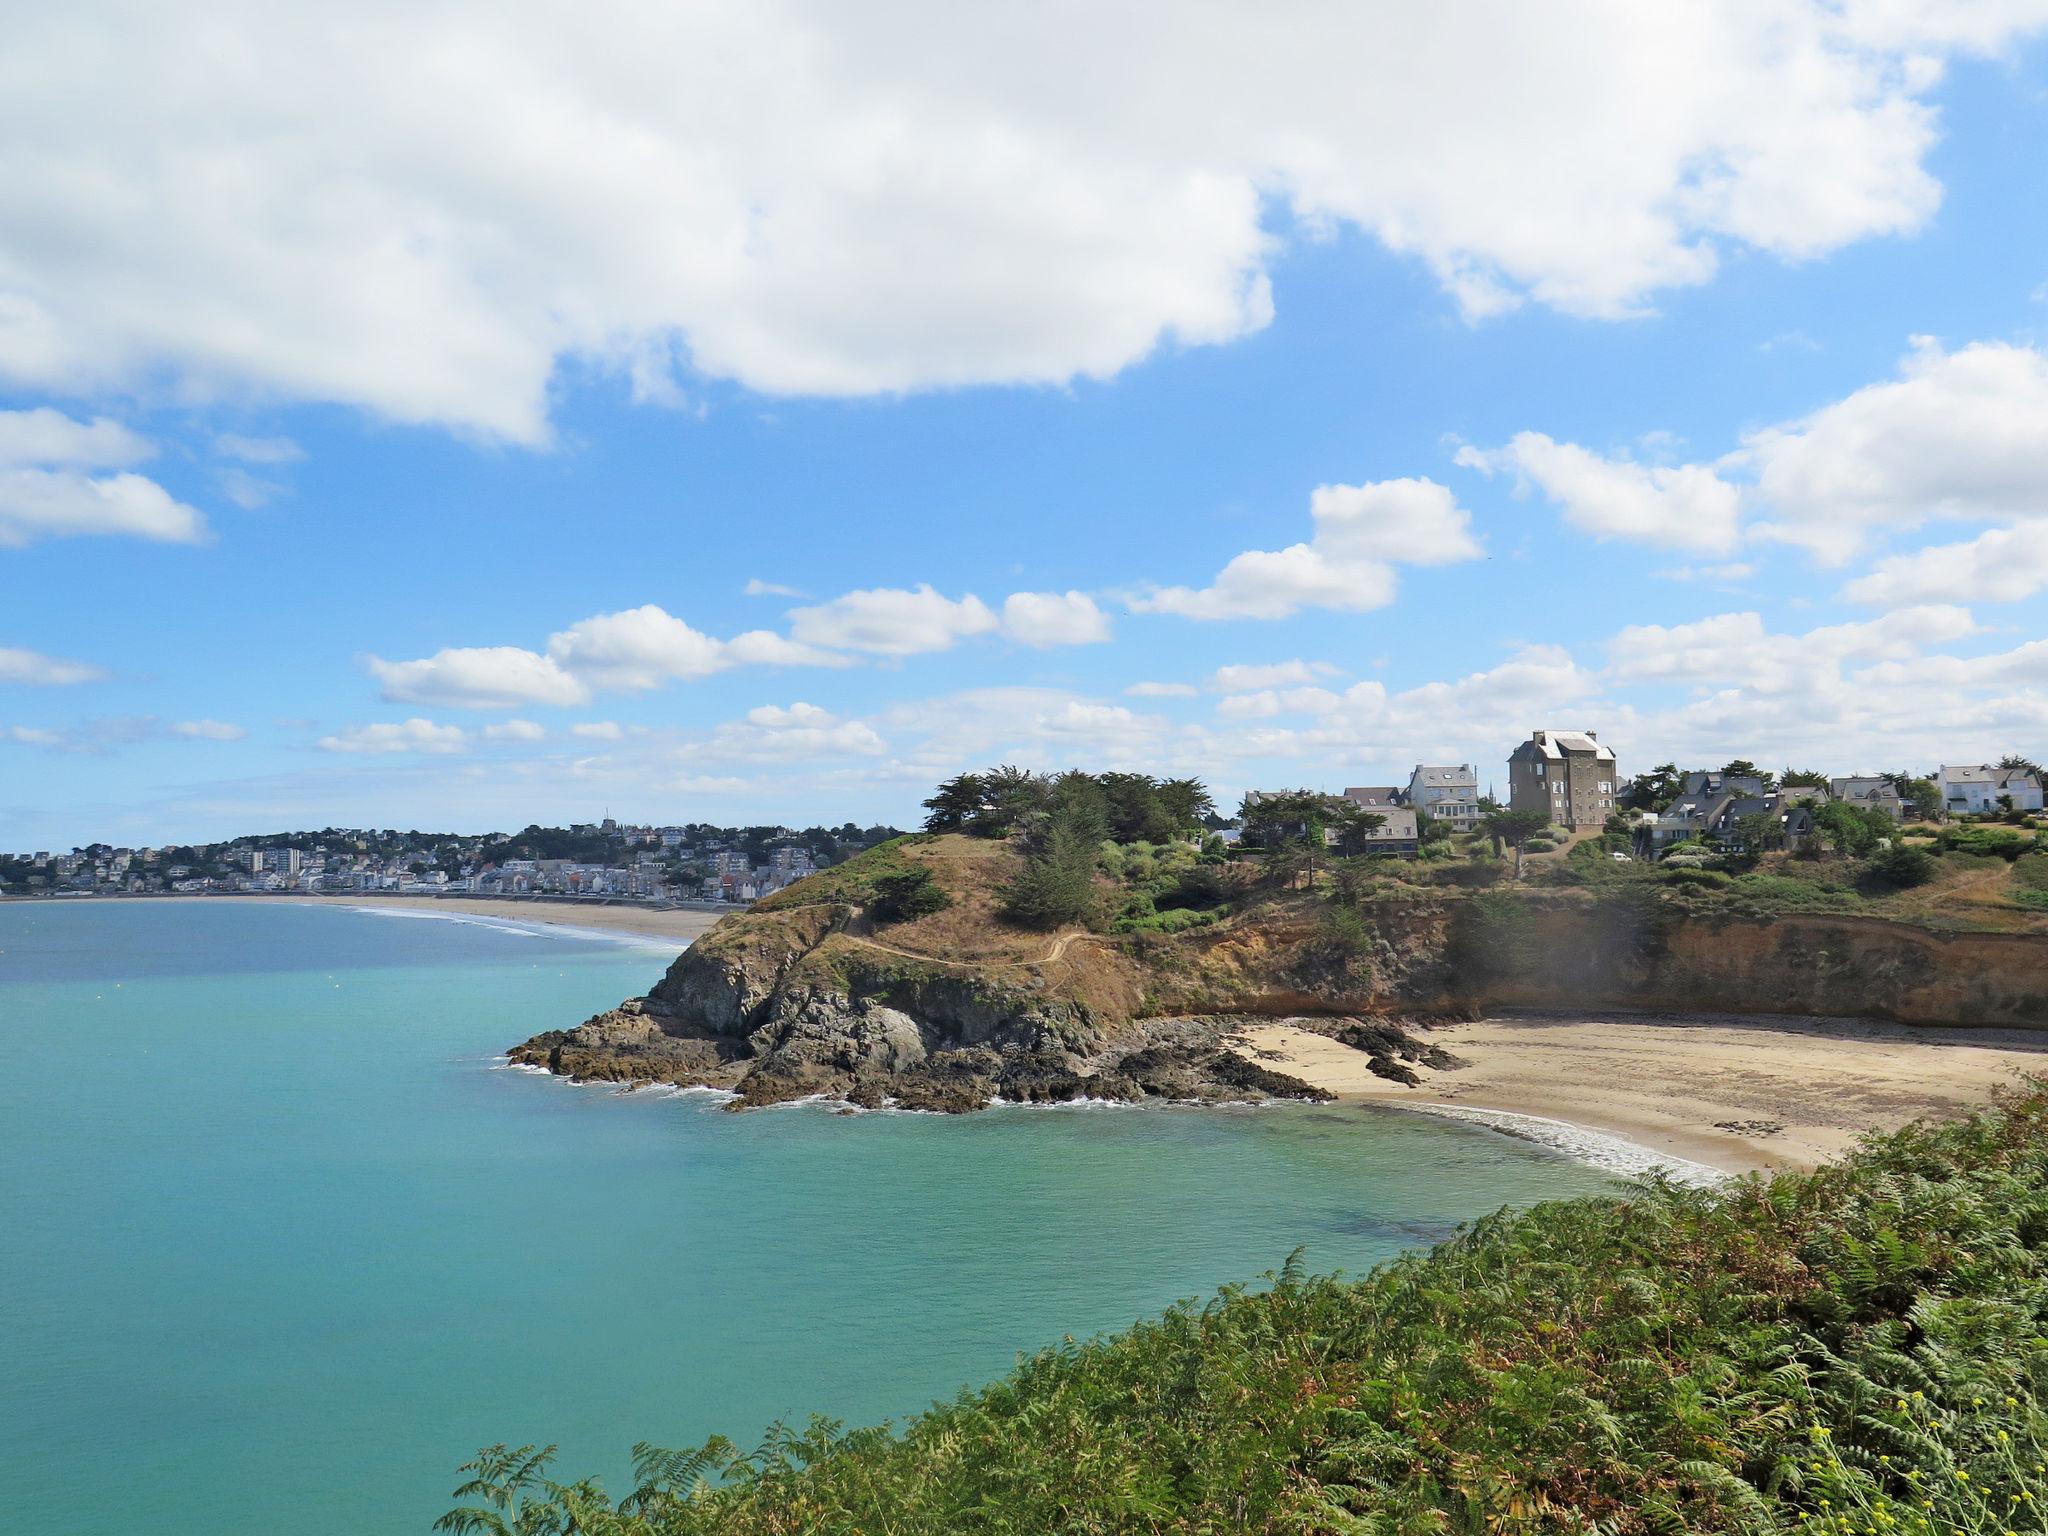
811, 1001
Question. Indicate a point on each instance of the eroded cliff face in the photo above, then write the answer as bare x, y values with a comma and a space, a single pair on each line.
1813, 964
811, 1001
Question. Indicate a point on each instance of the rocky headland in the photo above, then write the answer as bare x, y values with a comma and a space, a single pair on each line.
810, 995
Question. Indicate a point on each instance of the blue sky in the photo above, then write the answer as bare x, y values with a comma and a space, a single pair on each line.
368, 461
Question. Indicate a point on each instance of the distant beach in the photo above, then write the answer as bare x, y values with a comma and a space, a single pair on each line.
683, 924
1731, 1093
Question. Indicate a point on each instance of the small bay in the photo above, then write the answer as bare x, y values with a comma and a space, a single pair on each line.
282, 1241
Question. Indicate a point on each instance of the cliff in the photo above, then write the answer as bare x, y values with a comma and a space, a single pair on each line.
809, 995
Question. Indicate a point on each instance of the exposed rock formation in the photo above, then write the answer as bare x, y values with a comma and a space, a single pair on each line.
807, 998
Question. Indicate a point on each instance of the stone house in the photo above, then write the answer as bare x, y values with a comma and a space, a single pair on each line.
1567, 775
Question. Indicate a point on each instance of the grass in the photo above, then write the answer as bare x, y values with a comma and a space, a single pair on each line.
1859, 1350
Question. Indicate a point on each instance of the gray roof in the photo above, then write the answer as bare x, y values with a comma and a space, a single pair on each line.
1400, 824
1555, 744
1977, 773
1372, 794
1464, 776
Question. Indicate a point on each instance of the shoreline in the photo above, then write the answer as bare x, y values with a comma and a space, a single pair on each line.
681, 924
1736, 1094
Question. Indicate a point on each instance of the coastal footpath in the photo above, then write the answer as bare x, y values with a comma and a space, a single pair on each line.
818, 993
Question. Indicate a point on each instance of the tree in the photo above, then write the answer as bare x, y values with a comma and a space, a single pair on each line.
1057, 883
1742, 767
1802, 778
1188, 802
906, 896
2013, 761
1756, 832
1514, 828
1655, 790
1430, 829
1354, 827
1922, 796
952, 803
1851, 829
1902, 865
1290, 818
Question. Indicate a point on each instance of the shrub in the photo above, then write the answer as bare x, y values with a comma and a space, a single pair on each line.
906, 895
1901, 865
1691, 877
1538, 845
2031, 871
2004, 842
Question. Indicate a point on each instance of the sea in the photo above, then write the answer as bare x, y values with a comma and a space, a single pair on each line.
284, 1240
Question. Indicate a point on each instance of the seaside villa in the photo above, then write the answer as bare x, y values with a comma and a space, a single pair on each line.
1568, 775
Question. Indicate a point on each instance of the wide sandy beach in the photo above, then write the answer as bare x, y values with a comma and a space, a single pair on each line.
681, 924
1732, 1093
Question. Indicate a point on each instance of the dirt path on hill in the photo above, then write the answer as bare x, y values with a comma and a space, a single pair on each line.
1059, 948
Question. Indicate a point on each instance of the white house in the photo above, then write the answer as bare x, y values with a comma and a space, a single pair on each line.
1450, 794
1977, 789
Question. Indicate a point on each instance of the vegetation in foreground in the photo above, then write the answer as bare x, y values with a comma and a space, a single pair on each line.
1861, 1351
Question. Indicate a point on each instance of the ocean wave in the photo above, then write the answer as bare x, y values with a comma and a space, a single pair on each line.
1596, 1149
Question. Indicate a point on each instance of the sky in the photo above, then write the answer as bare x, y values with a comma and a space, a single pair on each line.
460, 416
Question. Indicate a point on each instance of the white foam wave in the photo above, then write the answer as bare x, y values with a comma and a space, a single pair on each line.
1596, 1149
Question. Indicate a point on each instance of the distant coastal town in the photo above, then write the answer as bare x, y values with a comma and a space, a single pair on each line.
605, 860
1564, 787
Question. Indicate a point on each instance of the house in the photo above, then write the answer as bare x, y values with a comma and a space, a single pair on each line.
1567, 775
1868, 792
1398, 833
1374, 797
1977, 790
1451, 795
1696, 785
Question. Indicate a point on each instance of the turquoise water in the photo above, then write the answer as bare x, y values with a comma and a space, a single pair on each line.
281, 1243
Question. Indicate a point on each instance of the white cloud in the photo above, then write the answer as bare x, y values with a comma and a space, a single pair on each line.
416, 213
773, 732
1043, 619
514, 730
478, 677
1686, 506
47, 490
1737, 570
54, 441
2000, 565
598, 730
1360, 532
1956, 435
61, 503
34, 668
1162, 690
892, 621
1246, 677
33, 736
385, 737
756, 587
638, 649
1735, 649
208, 730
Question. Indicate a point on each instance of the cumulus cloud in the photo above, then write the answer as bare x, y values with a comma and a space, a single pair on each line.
1737, 649
893, 621
637, 649
774, 732
1246, 676
36, 669
389, 737
1044, 619
824, 201
598, 730
1686, 506
2000, 565
1162, 690
1361, 532
48, 488
479, 677
1956, 435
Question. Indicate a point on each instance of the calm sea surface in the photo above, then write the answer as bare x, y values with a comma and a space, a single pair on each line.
281, 1242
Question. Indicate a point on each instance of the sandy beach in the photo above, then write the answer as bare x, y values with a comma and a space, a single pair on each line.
681, 924
1733, 1093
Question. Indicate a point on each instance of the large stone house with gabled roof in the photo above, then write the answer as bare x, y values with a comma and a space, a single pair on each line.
1568, 775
